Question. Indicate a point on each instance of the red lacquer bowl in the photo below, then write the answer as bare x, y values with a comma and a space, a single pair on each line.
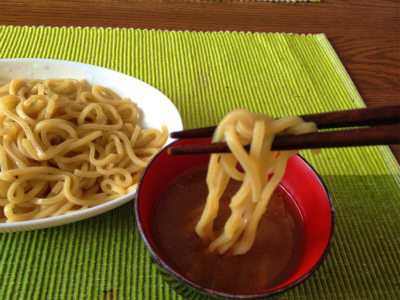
300, 180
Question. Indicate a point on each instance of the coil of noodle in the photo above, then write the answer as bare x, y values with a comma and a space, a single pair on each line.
263, 169
64, 149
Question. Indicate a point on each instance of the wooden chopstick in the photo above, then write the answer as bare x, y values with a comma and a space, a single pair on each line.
370, 116
379, 135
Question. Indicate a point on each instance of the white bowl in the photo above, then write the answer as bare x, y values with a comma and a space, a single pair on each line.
153, 105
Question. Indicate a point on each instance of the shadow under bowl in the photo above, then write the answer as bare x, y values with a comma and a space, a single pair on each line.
302, 183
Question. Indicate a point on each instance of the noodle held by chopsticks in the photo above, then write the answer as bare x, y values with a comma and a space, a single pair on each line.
64, 149
263, 170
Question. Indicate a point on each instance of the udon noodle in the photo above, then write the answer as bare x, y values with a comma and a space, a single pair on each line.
65, 149
262, 168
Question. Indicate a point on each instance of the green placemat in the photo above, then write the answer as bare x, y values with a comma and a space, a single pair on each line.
206, 75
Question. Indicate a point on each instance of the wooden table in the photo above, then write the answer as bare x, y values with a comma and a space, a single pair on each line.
365, 34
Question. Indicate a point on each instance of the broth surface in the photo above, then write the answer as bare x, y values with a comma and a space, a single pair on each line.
270, 261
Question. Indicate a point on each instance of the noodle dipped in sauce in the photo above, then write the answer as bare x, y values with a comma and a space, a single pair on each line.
64, 148
234, 229
263, 169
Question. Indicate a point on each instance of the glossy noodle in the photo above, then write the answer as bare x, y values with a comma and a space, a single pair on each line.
262, 170
65, 149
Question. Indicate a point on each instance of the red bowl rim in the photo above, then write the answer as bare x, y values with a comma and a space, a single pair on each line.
256, 295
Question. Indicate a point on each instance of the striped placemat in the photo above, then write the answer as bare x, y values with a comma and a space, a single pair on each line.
207, 74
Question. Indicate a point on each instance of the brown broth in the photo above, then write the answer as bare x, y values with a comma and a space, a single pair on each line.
269, 262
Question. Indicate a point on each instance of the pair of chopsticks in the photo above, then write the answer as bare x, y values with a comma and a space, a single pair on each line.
384, 122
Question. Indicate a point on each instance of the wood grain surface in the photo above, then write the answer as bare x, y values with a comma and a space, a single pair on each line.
364, 34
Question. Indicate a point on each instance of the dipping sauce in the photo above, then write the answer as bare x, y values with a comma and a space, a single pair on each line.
270, 261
